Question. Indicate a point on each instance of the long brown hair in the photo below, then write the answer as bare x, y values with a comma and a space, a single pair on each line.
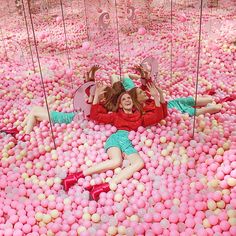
111, 96
133, 93
136, 104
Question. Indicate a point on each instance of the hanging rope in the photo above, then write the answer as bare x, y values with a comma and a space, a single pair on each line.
86, 20
171, 42
4, 45
41, 75
27, 29
198, 64
64, 26
118, 38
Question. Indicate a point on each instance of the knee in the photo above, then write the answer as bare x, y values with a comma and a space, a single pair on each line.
139, 164
117, 162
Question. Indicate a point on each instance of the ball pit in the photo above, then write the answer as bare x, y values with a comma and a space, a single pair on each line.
188, 185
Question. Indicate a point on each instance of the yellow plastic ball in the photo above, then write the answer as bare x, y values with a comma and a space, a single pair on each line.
118, 197
176, 201
140, 187
28, 165
95, 218
164, 153
41, 196
117, 170
47, 218
54, 213
122, 230
225, 192
81, 229
112, 230
206, 223
86, 216
68, 164
89, 163
231, 182
163, 139
213, 183
221, 204
150, 153
24, 175
220, 151
226, 146
67, 201
51, 197
38, 216
232, 221
231, 213
42, 183
148, 142
211, 205
50, 182
134, 218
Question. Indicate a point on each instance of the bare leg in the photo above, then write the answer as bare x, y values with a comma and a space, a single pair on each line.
203, 101
136, 164
211, 109
36, 114
115, 161
114, 78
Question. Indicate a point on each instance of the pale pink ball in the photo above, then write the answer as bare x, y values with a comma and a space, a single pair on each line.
157, 229
213, 219
86, 45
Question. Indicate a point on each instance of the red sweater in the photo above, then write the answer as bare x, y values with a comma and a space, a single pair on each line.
123, 121
150, 103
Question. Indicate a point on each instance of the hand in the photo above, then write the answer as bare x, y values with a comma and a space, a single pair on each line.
153, 90
159, 89
95, 68
100, 89
144, 73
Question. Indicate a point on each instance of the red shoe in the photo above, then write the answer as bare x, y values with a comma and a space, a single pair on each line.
23, 137
12, 131
227, 99
90, 187
97, 189
71, 180
210, 92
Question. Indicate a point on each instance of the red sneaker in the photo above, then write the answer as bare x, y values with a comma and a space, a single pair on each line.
210, 92
71, 180
24, 137
12, 131
97, 189
229, 98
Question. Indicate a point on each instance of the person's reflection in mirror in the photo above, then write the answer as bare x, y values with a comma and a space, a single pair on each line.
38, 113
184, 105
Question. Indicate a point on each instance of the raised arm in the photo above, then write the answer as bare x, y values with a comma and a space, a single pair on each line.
98, 112
154, 93
90, 75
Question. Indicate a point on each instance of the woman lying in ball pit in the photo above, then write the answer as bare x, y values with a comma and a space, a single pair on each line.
127, 117
184, 105
38, 113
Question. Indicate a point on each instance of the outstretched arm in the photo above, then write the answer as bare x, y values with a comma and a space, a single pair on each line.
90, 75
154, 93
98, 112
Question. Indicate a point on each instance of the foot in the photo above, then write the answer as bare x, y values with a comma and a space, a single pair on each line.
114, 78
12, 131
229, 98
71, 180
97, 189
23, 137
210, 92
